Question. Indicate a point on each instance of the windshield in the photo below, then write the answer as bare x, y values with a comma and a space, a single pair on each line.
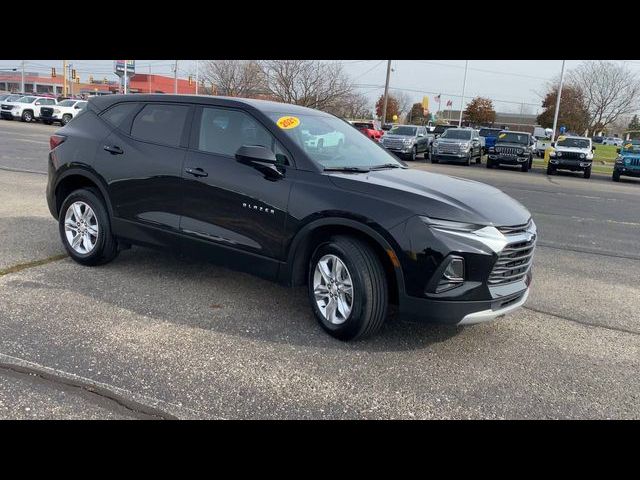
67, 103
27, 99
489, 132
14, 98
632, 146
513, 137
403, 130
574, 142
457, 134
332, 143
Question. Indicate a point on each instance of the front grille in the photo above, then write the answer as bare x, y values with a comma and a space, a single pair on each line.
571, 155
448, 148
509, 150
514, 261
46, 112
7, 107
634, 162
515, 229
396, 144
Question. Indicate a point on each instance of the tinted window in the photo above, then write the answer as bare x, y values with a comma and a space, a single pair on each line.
160, 123
403, 130
513, 137
116, 114
225, 131
67, 103
457, 134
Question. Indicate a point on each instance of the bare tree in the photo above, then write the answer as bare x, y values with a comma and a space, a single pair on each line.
404, 102
610, 91
234, 78
353, 106
311, 83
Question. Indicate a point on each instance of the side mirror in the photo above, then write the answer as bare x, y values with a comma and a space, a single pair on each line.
260, 158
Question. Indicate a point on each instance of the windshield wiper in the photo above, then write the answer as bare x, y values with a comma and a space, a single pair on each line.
346, 169
387, 165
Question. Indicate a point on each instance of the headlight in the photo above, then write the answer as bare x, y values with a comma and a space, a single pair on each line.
408, 141
620, 160
558, 154
435, 143
56, 110
582, 155
464, 146
492, 149
485, 234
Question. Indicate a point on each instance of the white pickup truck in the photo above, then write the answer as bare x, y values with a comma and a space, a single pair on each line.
63, 112
26, 108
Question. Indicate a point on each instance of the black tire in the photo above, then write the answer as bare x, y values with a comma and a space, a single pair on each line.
106, 246
489, 163
434, 159
587, 172
414, 154
66, 118
370, 294
616, 176
525, 167
551, 170
467, 163
27, 116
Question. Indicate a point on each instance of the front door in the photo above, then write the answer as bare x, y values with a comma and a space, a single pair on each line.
231, 211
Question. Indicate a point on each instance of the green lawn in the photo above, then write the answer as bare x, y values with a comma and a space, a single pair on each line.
605, 153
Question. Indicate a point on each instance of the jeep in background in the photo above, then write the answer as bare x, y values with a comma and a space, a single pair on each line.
571, 153
369, 128
628, 161
488, 138
457, 145
512, 148
406, 141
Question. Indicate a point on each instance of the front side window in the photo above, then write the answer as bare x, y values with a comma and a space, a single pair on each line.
332, 143
224, 131
160, 123
67, 103
28, 99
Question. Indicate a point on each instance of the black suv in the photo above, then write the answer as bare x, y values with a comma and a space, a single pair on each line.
248, 184
512, 148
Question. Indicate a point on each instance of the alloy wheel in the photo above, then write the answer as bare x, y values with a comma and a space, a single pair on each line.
81, 227
333, 289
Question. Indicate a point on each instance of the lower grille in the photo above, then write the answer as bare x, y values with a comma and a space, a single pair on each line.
509, 150
513, 262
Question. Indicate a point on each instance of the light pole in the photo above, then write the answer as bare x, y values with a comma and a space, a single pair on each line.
386, 93
175, 78
197, 61
22, 86
124, 79
555, 115
464, 85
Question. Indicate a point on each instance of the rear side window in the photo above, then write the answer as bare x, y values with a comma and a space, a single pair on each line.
116, 114
160, 123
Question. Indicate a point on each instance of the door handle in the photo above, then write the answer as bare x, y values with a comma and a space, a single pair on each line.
197, 172
113, 149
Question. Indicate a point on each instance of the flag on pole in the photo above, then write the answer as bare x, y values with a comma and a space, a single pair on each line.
437, 98
449, 103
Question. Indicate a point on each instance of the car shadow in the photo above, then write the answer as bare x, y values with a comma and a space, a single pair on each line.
200, 295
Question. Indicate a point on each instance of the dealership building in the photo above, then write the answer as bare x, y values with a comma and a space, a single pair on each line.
38, 83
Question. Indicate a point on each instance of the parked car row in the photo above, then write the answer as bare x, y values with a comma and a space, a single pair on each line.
30, 108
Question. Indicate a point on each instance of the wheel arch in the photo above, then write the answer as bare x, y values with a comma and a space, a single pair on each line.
313, 234
76, 178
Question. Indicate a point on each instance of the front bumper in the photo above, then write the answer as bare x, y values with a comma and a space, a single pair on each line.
405, 150
452, 157
9, 114
573, 165
507, 159
627, 171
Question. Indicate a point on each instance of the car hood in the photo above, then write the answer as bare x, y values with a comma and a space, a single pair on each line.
510, 144
452, 140
437, 196
397, 137
572, 150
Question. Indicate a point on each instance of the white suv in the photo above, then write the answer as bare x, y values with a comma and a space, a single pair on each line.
63, 112
612, 141
28, 107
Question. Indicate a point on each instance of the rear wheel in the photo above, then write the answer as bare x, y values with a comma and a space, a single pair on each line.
85, 228
347, 288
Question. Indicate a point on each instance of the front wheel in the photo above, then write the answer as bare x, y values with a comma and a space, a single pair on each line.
616, 176
66, 119
85, 228
347, 288
525, 167
27, 116
587, 172
551, 170
489, 163
413, 154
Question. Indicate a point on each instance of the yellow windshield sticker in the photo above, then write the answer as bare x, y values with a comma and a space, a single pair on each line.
288, 122
502, 135
561, 138
628, 145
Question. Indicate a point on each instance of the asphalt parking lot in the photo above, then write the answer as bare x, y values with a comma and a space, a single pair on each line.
154, 336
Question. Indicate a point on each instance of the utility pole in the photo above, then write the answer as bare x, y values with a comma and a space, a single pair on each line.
71, 82
555, 116
464, 85
197, 79
175, 78
22, 87
64, 78
386, 93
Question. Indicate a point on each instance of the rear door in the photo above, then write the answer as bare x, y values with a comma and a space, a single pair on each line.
232, 212
142, 162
